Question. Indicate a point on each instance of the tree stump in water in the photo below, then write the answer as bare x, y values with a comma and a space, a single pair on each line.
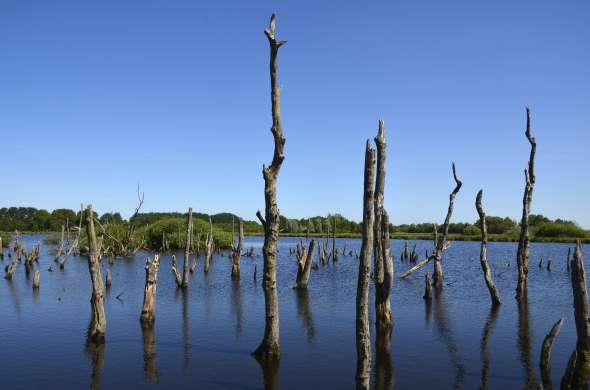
545, 362
483, 256
108, 280
148, 312
98, 323
189, 240
236, 253
36, 280
427, 288
304, 267
209, 247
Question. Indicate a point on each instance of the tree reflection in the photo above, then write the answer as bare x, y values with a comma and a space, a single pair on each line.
524, 341
485, 338
95, 352
150, 367
304, 311
236, 297
443, 327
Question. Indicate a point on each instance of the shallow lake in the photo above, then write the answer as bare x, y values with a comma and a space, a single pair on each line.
203, 337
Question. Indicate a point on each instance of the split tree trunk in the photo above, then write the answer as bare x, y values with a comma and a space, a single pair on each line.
523, 252
236, 253
363, 329
483, 256
209, 247
148, 312
578, 368
437, 277
304, 267
187, 251
545, 363
98, 323
383, 317
269, 349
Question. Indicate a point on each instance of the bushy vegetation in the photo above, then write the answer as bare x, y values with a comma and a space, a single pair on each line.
174, 231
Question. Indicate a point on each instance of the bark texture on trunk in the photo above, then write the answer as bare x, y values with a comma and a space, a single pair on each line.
175, 272
545, 363
523, 252
98, 323
427, 288
437, 277
578, 368
383, 316
304, 267
483, 256
209, 247
236, 253
187, 251
363, 328
148, 312
269, 349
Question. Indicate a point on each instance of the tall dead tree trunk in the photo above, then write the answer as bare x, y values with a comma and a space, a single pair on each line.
209, 247
148, 312
437, 276
578, 368
545, 363
269, 349
334, 249
98, 323
383, 285
483, 256
378, 210
304, 267
363, 329
236, 253
61, 245
523, 252
187, 251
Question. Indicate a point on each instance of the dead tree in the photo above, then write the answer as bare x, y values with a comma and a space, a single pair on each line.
9, 269
148, 312
209, 247
108, 280
269, 349
427, 288
36, 280
304, 264
74, 245
334, 249
578, 368
187, 251
175, 272
405, 254
483, 256
437, 277
61, 245
384, 279
98, 323
523, 252
363, 329
545, 362
236, 253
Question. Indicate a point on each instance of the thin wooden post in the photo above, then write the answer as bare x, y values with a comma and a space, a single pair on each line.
483, 256
236, 252
187, 251
98, 323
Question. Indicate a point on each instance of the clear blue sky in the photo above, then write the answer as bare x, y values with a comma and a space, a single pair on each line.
96, 97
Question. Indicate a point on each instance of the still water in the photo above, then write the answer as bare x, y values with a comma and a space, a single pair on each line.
203, 337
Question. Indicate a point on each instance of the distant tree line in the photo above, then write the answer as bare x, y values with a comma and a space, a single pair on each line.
39, 220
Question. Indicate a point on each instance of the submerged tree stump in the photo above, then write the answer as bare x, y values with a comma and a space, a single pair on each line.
523, 251
427, 288
108, 280
236, 253
61, 245
36, 280
363, 328
98, 323
304, 267
187, 252
578, 368
483, 256
148, 312
209, 247
545, 361
175, 272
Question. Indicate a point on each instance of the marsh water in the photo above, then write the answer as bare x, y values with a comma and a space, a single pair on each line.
203, 336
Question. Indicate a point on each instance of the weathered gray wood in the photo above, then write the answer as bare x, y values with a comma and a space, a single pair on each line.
36, 280
523, 251
187, 252
269, 349
304, 267
148, 311
483, 256
363, 329
379, 195
61, 245
209, 247
578, 369
175, 272
545, 361
98, 323
383, 316
427, 288
437, 277
236, 253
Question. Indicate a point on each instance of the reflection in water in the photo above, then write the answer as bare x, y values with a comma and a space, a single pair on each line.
304, 311
384, 372
427, 311
236, 297
15, 295
443, 327
185, 328
485, 338
150, 366
524, 342
96, 354
270, 373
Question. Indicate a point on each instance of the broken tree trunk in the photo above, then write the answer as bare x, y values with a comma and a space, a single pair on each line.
98, 323
437, 277
363, 328
578, 368
236, 253
269, 349
148, 312
483, 256
523, 252
187, 251
334, 249
36, 280
175, 272
108, 280
209, 247
383, 317
304, 267
378, 210
545, 363
9, 269
61, 245
427, 287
